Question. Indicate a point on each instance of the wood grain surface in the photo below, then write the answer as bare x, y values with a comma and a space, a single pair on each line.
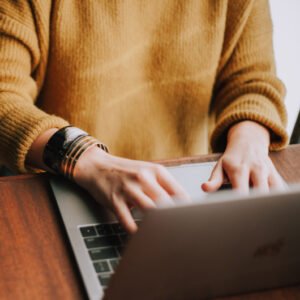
36, 261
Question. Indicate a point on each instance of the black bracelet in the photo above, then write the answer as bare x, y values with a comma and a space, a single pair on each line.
57, 146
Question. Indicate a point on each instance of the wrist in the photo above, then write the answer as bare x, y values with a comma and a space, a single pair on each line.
65, 147
94, 157
249, 131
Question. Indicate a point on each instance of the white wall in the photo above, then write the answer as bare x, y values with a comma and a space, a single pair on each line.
286, 22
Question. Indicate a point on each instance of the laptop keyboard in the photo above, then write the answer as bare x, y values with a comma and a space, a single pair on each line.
105, 243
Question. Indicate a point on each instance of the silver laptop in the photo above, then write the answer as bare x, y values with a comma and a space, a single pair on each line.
221, 244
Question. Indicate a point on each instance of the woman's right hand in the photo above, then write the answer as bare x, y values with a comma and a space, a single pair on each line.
115, 182
121, 184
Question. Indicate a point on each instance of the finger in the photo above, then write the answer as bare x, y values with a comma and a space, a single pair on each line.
259, 180
276, 181
123, 213
158, 194
239, 178
171, 186
137, 197
216, 179
152, 189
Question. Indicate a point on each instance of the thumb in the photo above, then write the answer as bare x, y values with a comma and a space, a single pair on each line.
216, 179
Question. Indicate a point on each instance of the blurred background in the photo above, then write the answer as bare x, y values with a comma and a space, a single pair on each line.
286, 21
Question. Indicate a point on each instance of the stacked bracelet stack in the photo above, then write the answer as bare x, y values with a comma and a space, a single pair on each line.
65, 148
75, 150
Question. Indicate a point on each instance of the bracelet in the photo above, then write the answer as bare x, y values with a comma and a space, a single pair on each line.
69, 154
65, 147
58, 145
68, 164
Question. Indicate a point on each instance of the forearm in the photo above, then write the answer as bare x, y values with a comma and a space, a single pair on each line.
247, 87
34, 157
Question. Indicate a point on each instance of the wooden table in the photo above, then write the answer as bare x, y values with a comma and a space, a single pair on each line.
36, 261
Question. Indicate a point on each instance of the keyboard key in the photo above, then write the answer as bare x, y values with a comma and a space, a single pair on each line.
120, 250
104, 253
88, 231
101, 266
114, 263
104, 279
117, 228
104, 229
225, 186
124, 238
104, 241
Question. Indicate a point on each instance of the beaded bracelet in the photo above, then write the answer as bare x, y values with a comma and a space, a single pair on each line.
65, 147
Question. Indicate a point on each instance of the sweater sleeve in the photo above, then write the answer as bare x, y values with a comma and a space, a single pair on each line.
247, 87
20, 120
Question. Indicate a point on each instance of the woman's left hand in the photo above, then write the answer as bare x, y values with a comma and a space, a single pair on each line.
246, 161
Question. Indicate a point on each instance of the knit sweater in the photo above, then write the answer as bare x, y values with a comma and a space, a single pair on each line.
151, 79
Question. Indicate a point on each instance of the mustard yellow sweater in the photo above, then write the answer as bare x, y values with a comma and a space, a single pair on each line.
151, 79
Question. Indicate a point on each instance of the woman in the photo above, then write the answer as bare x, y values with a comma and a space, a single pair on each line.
151, 80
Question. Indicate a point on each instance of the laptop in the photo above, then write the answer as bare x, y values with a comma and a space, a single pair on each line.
220, 244
295, 137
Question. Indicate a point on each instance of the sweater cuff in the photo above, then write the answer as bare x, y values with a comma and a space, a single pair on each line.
258, 109
19, 132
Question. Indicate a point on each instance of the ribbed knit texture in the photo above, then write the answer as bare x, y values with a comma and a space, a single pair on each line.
151, 79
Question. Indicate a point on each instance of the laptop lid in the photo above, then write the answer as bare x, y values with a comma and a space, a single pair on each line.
227, 245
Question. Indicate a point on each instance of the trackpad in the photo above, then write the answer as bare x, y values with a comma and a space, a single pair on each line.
191, 177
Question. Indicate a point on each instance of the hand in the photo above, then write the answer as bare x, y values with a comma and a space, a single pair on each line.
120, 183
245, 161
